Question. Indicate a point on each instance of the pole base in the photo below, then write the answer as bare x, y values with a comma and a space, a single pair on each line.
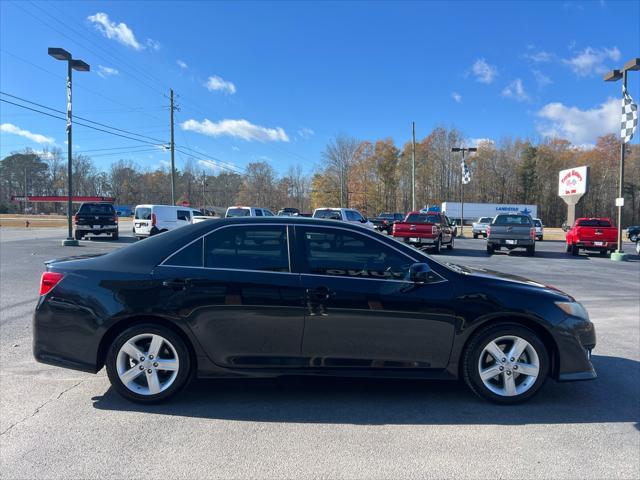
70, 242
619, 256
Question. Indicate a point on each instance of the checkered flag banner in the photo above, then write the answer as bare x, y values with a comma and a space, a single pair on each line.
629, 117
466, 173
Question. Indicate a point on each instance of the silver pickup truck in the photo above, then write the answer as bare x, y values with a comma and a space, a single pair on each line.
480, 227
511, 231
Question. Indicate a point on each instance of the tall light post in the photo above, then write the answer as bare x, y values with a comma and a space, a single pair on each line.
80, 66
462, 182
614, 76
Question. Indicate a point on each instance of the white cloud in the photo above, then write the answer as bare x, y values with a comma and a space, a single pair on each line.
476, 142
236, 128
105, 72
34, 137
215, 83
539, 56
592, 61
235, 149
182, 64
120, 32
580, 127
541, 79
457, 97
484, 72
305, 132
516, 91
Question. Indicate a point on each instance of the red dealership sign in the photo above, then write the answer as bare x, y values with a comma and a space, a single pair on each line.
59, 198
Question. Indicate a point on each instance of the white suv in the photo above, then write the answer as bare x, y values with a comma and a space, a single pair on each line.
345, 214
151, 219
248, 212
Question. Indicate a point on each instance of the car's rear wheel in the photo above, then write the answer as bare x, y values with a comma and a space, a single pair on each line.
505, 364
115, 235
77, 235
531, 251
575, 251
437, 245
490, 249
450, 245
475, 235
148, 363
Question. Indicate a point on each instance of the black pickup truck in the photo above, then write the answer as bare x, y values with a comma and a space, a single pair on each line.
385, 221
96, 219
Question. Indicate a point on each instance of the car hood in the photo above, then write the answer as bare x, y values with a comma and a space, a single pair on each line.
487, 274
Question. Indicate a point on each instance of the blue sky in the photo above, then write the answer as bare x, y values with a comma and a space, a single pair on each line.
276, 81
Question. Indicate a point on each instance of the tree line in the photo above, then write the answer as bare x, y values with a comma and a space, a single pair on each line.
372, 176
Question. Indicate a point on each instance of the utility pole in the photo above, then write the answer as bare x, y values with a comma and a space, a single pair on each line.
173, 164
413, 168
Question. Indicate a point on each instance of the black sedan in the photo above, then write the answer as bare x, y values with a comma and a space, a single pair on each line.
277, 296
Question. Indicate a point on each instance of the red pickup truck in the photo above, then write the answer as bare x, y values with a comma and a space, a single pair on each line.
425, 229
592, 234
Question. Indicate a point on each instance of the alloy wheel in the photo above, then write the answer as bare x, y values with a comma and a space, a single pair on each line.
508, 366
147, 364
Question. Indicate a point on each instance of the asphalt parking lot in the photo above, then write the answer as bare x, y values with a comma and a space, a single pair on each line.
57, 423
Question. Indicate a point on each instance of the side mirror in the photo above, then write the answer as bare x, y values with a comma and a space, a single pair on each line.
419, 272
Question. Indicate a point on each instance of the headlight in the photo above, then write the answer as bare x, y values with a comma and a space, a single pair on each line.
574, 309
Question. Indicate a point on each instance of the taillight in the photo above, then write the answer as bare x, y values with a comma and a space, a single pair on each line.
434, 229
48, 281
153, 219
75, 219
114, 219
533, 233
488, 231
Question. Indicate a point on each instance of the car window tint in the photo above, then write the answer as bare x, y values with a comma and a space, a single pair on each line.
537, 223
184, 215
267, 213
97, 209
143, 214
594, 222
327, 213
190, 256
423, 218
349, 254
238, 212
258, 212
486, 220
248, 248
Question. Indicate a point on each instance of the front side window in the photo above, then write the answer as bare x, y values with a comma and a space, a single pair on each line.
259, 247
268, 213
258, 212
190, 256
335, 252
184, 215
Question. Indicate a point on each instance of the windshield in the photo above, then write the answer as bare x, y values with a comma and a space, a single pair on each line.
327, 213
423, 218
238, 212
512, 220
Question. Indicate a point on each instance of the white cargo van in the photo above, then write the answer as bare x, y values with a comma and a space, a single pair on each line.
151, 219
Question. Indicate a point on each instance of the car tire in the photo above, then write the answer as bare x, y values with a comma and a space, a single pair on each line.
490, 250
77, 235
567, 248
633, 238
115, 236
450, 244
510, 385
437, 246
475, 235
531, 251
604, 253
541, 238
141, 386
575, 251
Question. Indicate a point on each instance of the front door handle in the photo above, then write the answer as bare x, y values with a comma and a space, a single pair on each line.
177, 283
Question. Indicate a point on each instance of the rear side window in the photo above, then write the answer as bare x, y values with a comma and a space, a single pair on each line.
512, 220
268, 213
353, 216
260, 247
190, 256
258, 212
96, 209
184, 215
143, 214
594, 222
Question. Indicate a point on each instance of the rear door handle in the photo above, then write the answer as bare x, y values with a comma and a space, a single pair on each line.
177, 283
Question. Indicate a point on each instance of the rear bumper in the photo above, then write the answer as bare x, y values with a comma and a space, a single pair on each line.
99, 229
597, 245
504, 242
418, 240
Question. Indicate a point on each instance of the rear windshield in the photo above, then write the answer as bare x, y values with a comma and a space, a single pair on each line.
238, 212
594, 222
143, 214
537, 223
97, 209
512, 220
423, 218
387, 215
486, 220
326, 213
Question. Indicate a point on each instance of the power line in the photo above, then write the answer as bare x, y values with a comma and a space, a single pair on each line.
81, 118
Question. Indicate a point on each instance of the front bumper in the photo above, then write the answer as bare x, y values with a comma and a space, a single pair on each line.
576, 339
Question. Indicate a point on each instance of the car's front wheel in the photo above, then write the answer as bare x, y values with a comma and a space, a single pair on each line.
148, 363
505, 364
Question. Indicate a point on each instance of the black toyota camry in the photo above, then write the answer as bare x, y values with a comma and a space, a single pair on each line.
294, 296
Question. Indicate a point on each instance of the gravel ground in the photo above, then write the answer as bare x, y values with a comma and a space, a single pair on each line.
57, 423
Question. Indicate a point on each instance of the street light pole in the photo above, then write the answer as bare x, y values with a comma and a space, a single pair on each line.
79, 65
614, 76
413, 167
463, 150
